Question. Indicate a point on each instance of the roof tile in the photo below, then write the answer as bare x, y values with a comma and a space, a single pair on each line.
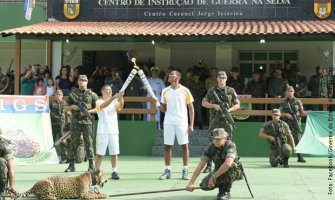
176, 28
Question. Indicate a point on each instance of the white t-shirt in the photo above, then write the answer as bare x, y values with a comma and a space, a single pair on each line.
176, 101
108, 123
50, 90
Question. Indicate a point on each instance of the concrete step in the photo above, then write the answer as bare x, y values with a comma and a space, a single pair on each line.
192, 141
198, 141
195, 151
194, 134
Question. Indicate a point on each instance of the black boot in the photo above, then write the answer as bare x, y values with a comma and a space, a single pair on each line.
285, 162
208, 168
90, 165
223, 194
300, 158
2, 188
71, 167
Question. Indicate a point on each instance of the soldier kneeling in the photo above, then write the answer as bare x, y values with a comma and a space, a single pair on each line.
277, 132
227, 166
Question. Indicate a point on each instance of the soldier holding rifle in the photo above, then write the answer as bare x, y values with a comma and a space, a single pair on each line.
81, 102
292, 110
278, 133
218, 118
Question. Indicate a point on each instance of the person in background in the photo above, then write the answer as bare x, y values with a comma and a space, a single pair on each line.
114, 79
27, 82
108, 130
98, 79
10, 74
157, 86
211, 81
299, 82
50, 87
198, 91
4, 82
64, 80
235, 81
40, 89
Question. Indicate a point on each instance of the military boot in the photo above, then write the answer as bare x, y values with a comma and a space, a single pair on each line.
71, 167
300, 158
90, 165
223, 194
208, 168
2, 188
285, 162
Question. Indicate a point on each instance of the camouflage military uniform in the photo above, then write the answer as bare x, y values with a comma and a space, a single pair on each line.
282, 129
5, 154
297, 107
81, 124
58, 122
219, 155
217, 120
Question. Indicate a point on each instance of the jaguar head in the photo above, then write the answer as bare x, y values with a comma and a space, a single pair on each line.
98, 177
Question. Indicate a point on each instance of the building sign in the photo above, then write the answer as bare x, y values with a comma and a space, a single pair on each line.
71, 8
189, 10
322, 8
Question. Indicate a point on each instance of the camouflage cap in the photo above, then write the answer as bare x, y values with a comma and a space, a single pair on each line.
83, 77
276, 112
222, 74
219, 133
60, 92
290, 88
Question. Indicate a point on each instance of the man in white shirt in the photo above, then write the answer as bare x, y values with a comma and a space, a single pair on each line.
157, 86
108, 129
175, 100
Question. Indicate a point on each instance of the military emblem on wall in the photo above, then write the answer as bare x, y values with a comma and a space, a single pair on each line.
71, 8
322, 8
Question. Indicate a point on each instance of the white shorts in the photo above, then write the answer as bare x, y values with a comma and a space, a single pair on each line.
172, 131
107, 140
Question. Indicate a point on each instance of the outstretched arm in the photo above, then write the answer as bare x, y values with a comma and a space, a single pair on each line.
190, 186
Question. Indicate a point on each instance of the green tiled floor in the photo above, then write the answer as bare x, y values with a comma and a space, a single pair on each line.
140, 174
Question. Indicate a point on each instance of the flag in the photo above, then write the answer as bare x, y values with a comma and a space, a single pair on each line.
29, 5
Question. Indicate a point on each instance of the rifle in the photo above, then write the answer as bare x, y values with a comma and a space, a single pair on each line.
224, 110
67, 134
82, 107
245, 178
277, 142
294, 118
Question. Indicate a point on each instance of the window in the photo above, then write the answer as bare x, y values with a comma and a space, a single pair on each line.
250, 61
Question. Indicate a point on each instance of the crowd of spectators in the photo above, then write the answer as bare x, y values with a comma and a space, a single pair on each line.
37, 80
